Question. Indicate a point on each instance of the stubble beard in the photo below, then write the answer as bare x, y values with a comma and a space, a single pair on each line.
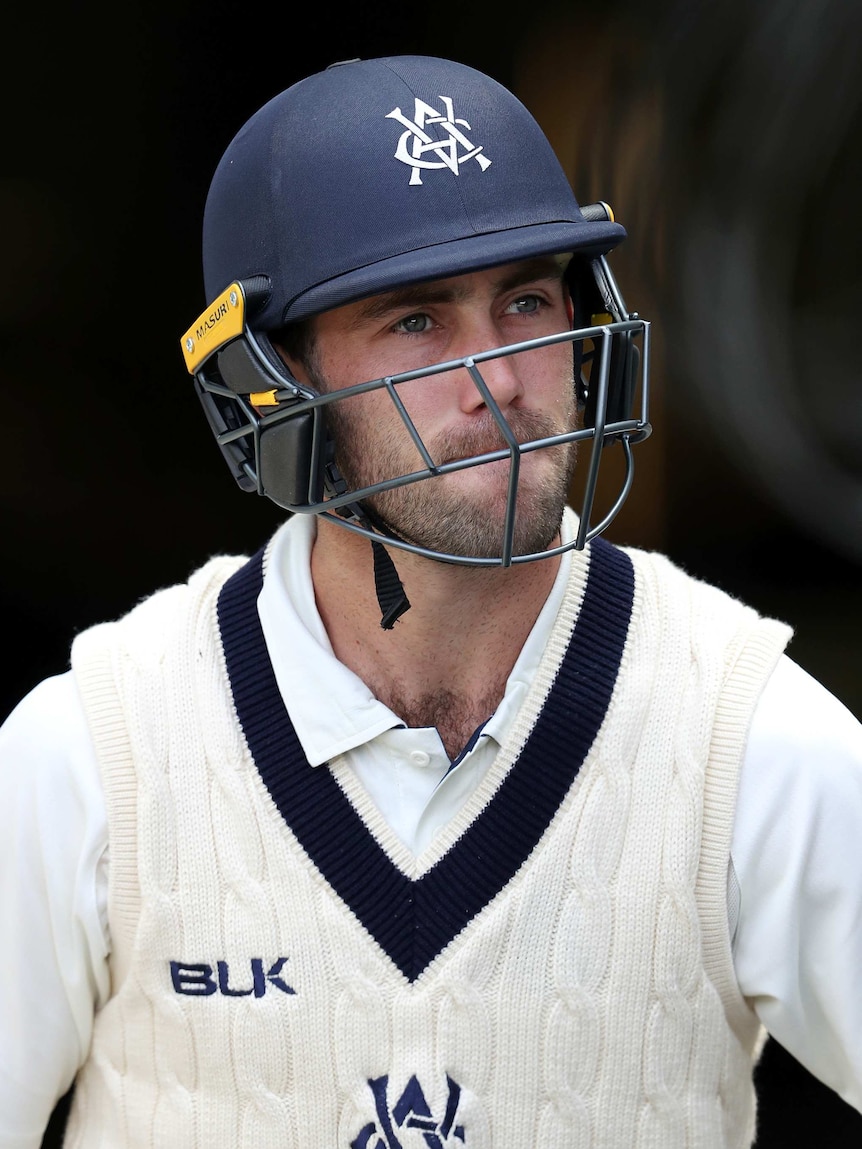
437, 513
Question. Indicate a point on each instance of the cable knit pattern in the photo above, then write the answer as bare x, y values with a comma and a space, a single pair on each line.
587, 1003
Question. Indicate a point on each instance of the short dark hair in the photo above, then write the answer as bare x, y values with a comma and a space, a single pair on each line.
297, 340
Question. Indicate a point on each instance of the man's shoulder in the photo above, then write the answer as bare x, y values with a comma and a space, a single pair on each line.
665, 591
661, 569
155, 620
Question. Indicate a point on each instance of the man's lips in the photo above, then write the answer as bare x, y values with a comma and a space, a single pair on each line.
456, 446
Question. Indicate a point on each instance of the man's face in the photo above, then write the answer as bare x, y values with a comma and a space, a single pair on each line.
462, 512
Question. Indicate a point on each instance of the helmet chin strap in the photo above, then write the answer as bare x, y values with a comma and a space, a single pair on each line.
391, 596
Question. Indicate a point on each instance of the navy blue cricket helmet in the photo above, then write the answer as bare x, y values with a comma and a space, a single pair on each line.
366, 177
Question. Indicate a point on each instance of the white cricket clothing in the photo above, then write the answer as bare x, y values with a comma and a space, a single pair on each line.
553, 969
797, 947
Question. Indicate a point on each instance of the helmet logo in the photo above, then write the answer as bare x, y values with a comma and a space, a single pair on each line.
416, 143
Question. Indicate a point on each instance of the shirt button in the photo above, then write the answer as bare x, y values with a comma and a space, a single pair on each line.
420, 758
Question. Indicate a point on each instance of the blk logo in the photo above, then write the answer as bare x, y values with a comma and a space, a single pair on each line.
410, 1111
196, 979
419, 150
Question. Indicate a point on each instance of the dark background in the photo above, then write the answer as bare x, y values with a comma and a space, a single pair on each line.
727, 138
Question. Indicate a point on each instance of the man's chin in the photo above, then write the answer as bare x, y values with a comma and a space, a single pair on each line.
464, 513
477, 531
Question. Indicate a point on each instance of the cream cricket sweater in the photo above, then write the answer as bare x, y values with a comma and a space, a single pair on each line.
554, 972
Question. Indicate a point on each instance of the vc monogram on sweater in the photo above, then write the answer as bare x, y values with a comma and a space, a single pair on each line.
554, 970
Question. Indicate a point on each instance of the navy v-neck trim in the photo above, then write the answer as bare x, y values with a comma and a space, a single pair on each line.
414, 920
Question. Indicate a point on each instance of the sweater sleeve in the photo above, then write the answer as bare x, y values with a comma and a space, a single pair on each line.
795, 851
53, 887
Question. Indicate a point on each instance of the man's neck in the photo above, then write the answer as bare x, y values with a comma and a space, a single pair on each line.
446, 661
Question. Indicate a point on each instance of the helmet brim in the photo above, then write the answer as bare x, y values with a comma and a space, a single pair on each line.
586, 238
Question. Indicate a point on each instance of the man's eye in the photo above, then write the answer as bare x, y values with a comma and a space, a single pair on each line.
414, 324
525, 304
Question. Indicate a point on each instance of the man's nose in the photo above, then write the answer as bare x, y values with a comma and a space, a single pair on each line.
499, 374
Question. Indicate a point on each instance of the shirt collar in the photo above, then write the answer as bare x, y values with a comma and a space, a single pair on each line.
331, 708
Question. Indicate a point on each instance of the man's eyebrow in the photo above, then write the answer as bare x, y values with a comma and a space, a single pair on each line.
415, 296
536, 270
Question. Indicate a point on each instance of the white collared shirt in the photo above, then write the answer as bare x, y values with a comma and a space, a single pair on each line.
405, 771
795, 899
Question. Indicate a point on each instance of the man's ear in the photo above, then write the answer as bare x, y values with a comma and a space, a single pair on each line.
570, 307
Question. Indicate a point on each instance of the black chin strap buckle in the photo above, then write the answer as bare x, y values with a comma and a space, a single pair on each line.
390, 591
391, 598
